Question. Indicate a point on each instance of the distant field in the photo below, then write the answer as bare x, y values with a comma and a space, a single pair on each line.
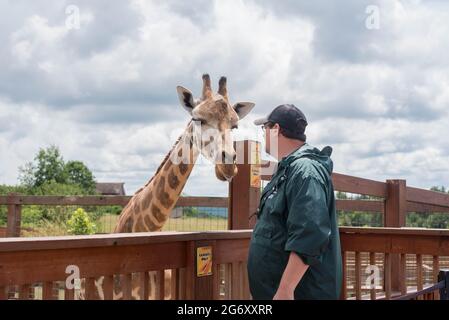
107, 223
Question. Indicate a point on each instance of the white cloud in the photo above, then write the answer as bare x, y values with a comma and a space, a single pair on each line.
106, 93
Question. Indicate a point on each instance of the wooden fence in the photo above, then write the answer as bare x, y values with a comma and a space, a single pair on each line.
37, 266
392, 247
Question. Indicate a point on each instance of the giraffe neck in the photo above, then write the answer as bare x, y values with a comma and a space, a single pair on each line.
150, 207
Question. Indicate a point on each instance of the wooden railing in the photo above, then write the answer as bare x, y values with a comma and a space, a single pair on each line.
40, 263
367, 250
37, 267
16, 201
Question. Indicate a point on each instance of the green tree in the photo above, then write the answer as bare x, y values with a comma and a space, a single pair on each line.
439, 189
48, 165
78, 173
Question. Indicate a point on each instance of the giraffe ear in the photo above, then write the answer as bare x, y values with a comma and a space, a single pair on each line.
186, 99
243, 108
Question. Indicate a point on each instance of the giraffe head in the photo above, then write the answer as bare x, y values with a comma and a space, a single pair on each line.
213, 119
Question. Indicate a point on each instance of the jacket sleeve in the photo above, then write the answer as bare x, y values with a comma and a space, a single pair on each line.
308, 221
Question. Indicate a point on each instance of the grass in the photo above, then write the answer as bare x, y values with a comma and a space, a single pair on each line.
107, 223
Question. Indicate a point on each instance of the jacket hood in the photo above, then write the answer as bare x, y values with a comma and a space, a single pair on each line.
322, 156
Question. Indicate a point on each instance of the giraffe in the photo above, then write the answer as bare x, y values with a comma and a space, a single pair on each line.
207, 133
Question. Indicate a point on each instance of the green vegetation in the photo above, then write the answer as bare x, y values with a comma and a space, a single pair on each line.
49, 174
79, 223
433, 220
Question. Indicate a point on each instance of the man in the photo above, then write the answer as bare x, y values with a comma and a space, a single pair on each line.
295, 246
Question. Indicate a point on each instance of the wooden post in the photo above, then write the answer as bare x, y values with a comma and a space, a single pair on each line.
14, 216
394, 217
244, 194
199, 287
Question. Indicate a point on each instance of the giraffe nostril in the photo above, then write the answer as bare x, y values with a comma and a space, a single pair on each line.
234, 157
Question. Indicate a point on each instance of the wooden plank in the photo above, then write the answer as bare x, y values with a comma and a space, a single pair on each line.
65, 200
419, 273
24, 292
228, 281
160, 288
395, 204
47, 290
243, 197
435, 271
357, 185
117, 240
360, 205
182, 283
395, 231
402, 274
174, 279
346, 183
235, 291
424, 207
48, 265
91, 289
13, 220
241, 280
427, 196
387, 275
144, 285
216, 280
231, 250
372, 261
127, 286
108, 287
69, 294
344, 292
219, 202
358, 285
214, 202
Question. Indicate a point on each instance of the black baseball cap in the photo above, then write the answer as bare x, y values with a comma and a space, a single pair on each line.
289, 118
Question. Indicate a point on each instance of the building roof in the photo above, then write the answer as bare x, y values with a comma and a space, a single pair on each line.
111, 188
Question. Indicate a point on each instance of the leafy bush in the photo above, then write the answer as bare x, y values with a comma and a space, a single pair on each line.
80, 223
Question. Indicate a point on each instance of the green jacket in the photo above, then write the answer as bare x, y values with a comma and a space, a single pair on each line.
297, 213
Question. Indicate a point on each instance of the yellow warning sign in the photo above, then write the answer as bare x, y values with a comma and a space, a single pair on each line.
255, 165
203, 261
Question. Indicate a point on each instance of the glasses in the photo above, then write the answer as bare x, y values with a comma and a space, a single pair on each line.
267, 125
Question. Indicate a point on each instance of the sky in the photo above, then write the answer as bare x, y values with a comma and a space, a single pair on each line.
98, 79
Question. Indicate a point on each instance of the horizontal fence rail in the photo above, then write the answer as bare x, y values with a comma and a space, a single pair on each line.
14, 203
422, 253
36, 268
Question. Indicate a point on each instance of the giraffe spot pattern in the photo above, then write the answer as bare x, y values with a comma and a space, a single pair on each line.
149, 224
146, 201
163, 196
128, 226
173, 180
183, 168
140, 226
157, 213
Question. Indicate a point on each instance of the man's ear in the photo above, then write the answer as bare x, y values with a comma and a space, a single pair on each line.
186, 99
243, 108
